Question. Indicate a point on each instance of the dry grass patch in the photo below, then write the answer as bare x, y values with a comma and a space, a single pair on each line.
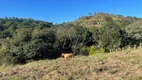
123, 65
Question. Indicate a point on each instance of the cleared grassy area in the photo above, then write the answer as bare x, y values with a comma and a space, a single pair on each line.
122, 65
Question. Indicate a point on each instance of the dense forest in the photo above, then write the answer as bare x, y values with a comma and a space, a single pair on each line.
24, 40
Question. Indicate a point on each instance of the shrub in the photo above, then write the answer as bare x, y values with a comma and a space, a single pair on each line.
16, 55
84, 51
3, 51
93, 50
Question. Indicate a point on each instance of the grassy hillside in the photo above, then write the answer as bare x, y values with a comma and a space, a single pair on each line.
122, 65
98, 19
37, 43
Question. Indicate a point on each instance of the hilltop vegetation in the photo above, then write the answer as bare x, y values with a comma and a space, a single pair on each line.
98, 19
25, 40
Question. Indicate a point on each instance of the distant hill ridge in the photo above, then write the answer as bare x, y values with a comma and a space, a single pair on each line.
97, 19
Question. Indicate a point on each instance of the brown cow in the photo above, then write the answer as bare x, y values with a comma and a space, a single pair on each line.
67, 55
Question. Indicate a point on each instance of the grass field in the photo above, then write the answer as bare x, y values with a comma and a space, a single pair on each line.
122, 65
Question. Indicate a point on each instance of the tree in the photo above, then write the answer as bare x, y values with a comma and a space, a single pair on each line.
135, 30
109, 36
22, 36
72, 37
43, 42
34, 44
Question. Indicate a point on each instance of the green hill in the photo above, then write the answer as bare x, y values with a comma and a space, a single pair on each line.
31, 49
98, 19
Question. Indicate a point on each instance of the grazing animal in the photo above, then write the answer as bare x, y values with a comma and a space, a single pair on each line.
67, 55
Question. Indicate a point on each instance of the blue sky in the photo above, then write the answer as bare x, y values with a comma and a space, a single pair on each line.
58, 11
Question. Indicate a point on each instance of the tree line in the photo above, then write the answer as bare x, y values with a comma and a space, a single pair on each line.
24, 40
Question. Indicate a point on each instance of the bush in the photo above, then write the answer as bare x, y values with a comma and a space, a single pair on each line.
16, 55
93, 50
84, 51
3, 51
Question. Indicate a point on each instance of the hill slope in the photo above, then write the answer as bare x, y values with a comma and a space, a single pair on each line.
124, 65
98, 19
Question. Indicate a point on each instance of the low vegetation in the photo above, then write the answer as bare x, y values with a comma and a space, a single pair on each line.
121, 65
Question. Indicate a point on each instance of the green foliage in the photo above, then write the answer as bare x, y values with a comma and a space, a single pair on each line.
84, 51
135, 30
33, 45
3, 51
11, 24
72, 37
21, 35
16, 55
109, 36
76, 48
93, 50
98, 19
29, 39
101, 50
